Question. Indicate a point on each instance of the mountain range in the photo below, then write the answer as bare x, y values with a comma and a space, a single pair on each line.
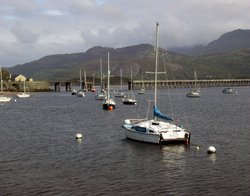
226, 57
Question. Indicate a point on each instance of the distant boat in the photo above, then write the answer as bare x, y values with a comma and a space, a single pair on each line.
73, 92
142, 90
229, 91
23, 94
155, 131
130, 98
119, 93
3, 99
101, 95
109, 103
195, 93
93, 89
80, 92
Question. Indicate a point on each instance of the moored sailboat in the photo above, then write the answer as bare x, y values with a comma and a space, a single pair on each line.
3, 99
119, 93
109, 103
195, 93
142, 90
154, 130
80, 92
24, 94
130, 98
101, 95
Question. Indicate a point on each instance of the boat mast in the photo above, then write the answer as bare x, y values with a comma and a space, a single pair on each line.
85, 81
156, 62
120, 79
80, 79
101, 72
1, 80
108, 78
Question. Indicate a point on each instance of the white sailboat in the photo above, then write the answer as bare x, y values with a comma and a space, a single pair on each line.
154, 130
109, 103
142, 90
119, 93
85, 89
130, 98
195, 93
229, 91
3, 99
101, 95
24, 94
80, 92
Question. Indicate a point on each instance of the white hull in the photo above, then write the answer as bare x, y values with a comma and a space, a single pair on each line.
101, 97
23, 95
150, 138
80, 94
193, 94
4, 99
129, 101
155, 132
119, 95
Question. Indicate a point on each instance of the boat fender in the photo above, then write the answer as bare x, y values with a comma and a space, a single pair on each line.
79, 136
127, 122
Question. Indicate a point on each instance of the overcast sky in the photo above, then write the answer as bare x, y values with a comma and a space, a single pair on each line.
31, 29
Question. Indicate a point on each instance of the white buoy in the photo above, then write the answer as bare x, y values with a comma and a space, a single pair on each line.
211, 149
197, 148
78, 136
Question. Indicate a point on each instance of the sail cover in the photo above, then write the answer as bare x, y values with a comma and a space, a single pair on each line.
157, 113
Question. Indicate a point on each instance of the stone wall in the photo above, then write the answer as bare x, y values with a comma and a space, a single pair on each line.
35, 86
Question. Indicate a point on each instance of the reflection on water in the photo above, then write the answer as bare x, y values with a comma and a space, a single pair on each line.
40, 155
212, 157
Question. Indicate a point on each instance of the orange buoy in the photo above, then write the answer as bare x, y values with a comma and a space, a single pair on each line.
110, 107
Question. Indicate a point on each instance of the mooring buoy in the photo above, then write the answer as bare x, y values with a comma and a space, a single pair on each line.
211, 149
78, 136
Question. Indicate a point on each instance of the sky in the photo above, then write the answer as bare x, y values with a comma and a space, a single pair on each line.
32, 29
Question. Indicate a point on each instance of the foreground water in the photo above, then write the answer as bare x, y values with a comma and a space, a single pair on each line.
40, 156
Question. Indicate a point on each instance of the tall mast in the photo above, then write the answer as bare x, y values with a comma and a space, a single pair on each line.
108, 77
101, 71
80, 79
156, 61
1, 80
120, 79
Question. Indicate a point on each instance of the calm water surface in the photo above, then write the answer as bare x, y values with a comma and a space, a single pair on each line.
40, 156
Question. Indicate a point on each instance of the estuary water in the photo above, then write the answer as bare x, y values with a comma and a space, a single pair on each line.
39, 154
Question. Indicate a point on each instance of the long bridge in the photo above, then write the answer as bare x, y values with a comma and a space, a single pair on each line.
148, 84
137, 84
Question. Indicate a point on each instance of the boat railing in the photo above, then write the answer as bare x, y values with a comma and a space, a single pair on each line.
135, 120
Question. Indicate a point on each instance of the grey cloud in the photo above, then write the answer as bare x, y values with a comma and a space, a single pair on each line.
24, 35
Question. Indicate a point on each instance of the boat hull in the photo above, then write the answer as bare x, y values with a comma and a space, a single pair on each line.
108, 106
23, 95
129, 101
168, 133
4, 99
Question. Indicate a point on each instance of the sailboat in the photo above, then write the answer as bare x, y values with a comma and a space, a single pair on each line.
3, 99
130, 99
195, 93
120, 94
142, 90
80, 92
154, 130
85, 89
229, 91
101, 95
93, 89
23, 94
109, 103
